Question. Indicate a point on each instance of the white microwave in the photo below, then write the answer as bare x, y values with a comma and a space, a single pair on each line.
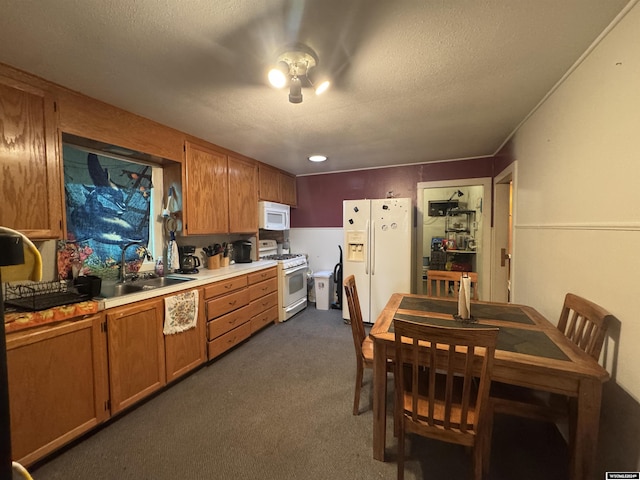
273, 216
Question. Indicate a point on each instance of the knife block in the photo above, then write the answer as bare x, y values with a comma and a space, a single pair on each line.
213, 262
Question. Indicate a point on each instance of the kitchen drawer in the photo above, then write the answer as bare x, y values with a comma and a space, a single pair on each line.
262, 275
225, 286
263, 288
228, 340
263, 319
228, 303
262, 304
228, 322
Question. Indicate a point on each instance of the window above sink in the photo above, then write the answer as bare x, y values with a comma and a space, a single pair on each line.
110, 201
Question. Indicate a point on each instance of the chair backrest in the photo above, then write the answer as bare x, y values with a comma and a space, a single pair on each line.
452, 357
443, 283
357, 325
584, 323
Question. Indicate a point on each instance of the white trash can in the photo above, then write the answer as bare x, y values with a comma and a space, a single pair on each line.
324, 287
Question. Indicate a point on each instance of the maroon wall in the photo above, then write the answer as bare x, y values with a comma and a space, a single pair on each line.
503, 158
320, 196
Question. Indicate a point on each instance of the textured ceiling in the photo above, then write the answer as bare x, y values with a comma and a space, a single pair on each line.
414, 80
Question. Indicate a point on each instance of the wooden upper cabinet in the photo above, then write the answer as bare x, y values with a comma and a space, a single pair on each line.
269, 184
243, 195
206, 200
277, 186
287, 184
31, 181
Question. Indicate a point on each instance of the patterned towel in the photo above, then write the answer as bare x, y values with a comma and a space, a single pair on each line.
180, 312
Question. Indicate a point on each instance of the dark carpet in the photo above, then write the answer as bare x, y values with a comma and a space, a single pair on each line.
279, 407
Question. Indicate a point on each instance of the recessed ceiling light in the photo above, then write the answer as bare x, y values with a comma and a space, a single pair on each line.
317, 158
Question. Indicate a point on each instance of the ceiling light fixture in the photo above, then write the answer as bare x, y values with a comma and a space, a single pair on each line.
317, 158
293, 66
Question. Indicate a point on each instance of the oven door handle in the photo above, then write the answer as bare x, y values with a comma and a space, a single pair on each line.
296, 305
290, 271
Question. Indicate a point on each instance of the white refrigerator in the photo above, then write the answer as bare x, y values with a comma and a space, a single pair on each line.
377, 251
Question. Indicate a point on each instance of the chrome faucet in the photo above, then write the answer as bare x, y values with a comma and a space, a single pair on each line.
123, 263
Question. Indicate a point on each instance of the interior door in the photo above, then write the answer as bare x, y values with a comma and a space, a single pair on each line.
502, 244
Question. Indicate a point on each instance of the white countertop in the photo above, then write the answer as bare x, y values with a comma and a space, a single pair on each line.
204, 277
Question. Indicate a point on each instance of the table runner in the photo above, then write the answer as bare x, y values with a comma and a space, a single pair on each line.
510, 339
507, 313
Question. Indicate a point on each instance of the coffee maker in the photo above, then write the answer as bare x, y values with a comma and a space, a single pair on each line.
242, 251
189, 263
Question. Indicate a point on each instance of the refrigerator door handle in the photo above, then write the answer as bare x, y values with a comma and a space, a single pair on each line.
367, 247
373, 247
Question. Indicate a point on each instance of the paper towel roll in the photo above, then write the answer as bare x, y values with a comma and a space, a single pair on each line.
464, 298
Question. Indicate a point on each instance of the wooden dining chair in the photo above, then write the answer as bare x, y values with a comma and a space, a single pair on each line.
442, 380
585, 324
443, 283
363, 343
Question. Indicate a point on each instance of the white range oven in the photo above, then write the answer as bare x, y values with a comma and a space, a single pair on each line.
292, 278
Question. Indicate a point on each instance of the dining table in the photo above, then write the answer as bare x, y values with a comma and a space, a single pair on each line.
531, 352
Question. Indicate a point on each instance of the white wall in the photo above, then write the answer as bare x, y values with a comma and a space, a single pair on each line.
321, 244
577, 228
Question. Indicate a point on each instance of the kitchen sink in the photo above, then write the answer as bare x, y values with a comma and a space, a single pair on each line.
135, 286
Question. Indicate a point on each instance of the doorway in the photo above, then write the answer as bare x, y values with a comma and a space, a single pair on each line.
473, 195
502, 254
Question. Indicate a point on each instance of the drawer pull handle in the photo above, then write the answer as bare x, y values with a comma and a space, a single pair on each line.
233, 303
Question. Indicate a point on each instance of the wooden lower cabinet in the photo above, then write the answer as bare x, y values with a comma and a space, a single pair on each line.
136, 352
58, 385
67, 378
227, 315
263, 293
186, 350
224, 342
238, 307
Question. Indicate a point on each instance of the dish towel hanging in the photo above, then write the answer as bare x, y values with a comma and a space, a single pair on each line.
180, 312
173, 262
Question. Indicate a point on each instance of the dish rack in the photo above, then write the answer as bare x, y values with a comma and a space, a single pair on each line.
42, 295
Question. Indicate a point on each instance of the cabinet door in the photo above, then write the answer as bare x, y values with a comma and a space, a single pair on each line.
30, 190
269, 184
206, 193
58, 385
136, 352
186, 350
243, 196
287, 185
